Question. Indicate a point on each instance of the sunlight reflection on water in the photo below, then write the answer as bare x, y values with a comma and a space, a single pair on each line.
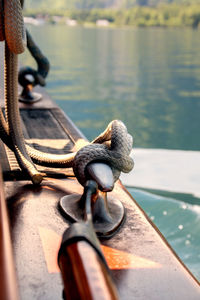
179, 223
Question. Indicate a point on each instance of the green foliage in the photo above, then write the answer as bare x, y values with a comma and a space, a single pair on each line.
92, 10
47, 5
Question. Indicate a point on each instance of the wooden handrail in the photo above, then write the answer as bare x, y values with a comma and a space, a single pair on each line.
8, 282
84, 274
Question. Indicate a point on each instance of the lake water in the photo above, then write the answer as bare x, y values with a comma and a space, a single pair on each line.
150, 79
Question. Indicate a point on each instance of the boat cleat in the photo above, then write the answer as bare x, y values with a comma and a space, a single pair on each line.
108, 213
27, 82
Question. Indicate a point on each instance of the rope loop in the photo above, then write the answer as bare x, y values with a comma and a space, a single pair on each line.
115, 147
37, 76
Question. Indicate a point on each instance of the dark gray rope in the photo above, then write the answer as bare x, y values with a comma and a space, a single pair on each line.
116, 154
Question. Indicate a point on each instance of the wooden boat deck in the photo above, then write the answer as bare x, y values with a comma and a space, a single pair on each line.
47, 129
142, 263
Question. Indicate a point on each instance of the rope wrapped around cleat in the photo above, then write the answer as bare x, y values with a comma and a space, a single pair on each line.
113, 146
115, 152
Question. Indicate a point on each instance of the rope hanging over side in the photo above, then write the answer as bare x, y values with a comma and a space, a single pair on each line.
15, 35
112, 146
15, 41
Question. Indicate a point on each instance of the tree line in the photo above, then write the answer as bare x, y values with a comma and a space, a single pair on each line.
165, 15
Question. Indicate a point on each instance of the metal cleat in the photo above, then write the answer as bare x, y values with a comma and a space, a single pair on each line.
108, 214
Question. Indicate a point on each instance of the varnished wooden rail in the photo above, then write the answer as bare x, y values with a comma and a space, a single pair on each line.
84, 274
8, 282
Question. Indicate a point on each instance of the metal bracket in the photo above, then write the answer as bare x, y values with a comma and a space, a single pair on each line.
108, 213
27, 96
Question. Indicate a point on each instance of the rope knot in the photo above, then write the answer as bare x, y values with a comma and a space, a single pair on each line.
113, 147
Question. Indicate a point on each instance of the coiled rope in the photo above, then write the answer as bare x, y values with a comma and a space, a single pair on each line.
112, 146
43, 64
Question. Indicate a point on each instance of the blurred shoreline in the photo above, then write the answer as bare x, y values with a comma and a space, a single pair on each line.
163, 15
